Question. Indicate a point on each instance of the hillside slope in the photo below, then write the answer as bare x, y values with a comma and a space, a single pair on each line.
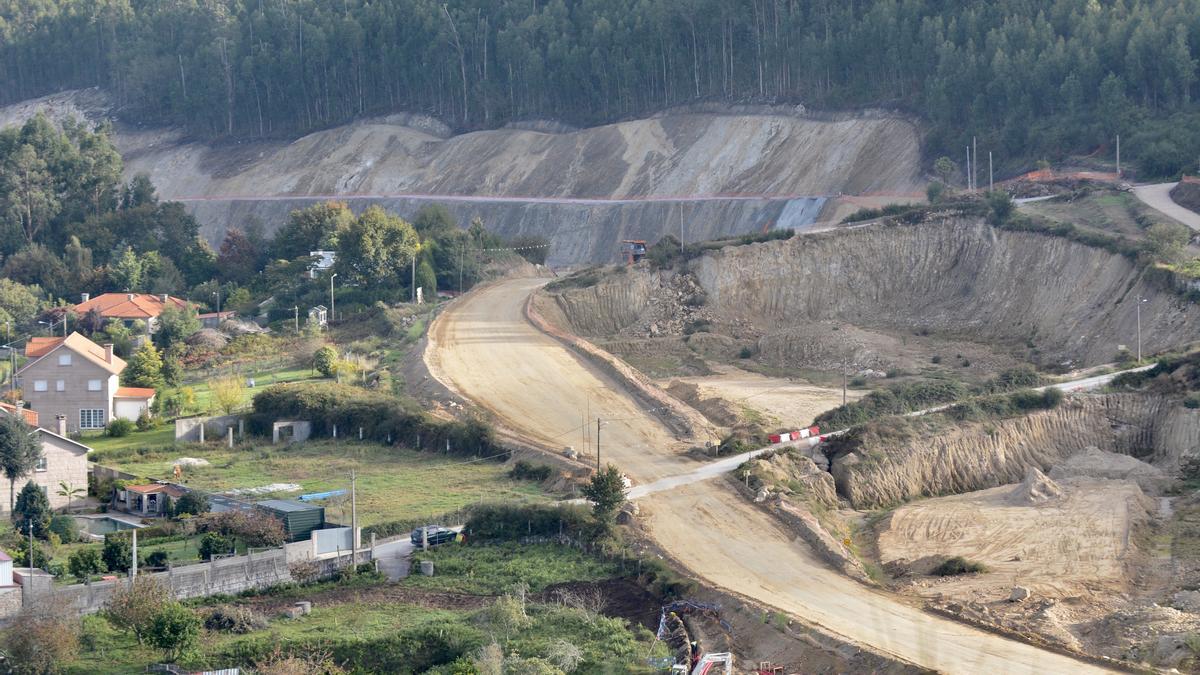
724, 173
956, 278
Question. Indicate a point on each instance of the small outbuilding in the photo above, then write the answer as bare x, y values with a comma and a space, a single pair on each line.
299, 519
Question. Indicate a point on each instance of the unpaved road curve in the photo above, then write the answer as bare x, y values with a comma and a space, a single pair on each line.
485, 349
1158, 197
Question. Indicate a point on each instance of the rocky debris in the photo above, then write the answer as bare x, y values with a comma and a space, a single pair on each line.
793, 473
1019, 594
762, 495
191, 461
1035, 489
628, 513
1186, 601
1096, 463
207, 337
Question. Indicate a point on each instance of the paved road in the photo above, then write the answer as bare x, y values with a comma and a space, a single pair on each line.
484, 349
1158, 197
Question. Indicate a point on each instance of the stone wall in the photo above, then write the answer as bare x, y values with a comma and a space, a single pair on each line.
187, 429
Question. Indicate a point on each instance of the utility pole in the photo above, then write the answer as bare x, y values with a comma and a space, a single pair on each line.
968, 168
991, 183
296, 310
1118, 155
975, 166
133, 555
844, 380
597, 445
680, 228
353, 518
1140, 300
29, 525
332, 314
462, 254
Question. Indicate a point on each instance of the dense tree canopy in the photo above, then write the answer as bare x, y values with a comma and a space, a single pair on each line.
1032, 77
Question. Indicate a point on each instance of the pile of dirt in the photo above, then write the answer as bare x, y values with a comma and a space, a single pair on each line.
1035, 489
1096, 463
717, 410
1187, 195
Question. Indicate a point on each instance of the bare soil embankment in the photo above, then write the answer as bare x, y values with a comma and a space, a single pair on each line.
744, 170
888, 294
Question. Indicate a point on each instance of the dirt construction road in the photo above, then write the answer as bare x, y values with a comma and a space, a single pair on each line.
484, 349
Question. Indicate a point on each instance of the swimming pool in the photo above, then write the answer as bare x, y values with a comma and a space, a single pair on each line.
102, 525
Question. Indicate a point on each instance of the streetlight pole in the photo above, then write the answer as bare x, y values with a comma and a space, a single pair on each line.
296, 310
414, 277
597, 445
1140, 300
332, 313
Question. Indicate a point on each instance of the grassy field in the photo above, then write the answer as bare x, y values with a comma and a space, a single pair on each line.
409, 627
492, 570
393, 483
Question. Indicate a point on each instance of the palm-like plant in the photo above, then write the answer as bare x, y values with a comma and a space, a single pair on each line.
66, 489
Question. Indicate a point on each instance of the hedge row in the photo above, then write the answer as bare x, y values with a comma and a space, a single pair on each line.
382, 418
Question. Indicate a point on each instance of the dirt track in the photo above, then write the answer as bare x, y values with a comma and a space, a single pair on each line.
484, 349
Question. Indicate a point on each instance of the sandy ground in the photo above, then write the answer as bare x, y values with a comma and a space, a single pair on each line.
1068, 546
485, 349
784, 402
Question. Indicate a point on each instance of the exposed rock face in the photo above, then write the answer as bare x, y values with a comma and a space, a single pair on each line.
794, 474
960, 279
976, 456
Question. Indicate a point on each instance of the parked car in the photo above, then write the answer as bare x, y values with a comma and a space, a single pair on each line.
436, 534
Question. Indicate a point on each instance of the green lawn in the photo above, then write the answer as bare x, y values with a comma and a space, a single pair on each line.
393, 483
262, 378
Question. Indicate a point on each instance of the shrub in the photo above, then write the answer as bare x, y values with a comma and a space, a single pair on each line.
193, 503
325, 361
893, 400
233, 619
117, 552
144, 422
254, 529
745, 352
132, 607
523, 470
119, 428
42, 643
212, 544
607, 493
174, 629
65, 527
507, 522
157, 559
85, 562
958, 565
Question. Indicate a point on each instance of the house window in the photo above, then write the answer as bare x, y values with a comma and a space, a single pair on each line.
91, 419
60, 385
41, 464
39, 385
64, 359
94, 385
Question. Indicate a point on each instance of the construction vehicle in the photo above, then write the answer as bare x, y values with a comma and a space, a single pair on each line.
711, 664
768, 668
633, 250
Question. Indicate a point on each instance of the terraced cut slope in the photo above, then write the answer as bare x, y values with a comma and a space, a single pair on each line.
1037, 296
733, 172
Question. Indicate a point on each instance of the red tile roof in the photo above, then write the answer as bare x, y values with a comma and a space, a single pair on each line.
128, 305
39, 346
134, 392
31, 416
80, 345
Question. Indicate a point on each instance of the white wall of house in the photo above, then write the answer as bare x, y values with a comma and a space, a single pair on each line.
130, 408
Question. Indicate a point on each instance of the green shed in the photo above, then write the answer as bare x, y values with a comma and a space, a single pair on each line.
299, 519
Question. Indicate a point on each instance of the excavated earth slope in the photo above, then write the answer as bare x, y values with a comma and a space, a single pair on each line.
731, 172
962, 458
955, 278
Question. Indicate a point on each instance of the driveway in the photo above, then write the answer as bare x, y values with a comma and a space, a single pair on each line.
1158, 197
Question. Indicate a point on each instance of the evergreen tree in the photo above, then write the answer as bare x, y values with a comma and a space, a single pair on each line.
144, 368
19, 451
33, 507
